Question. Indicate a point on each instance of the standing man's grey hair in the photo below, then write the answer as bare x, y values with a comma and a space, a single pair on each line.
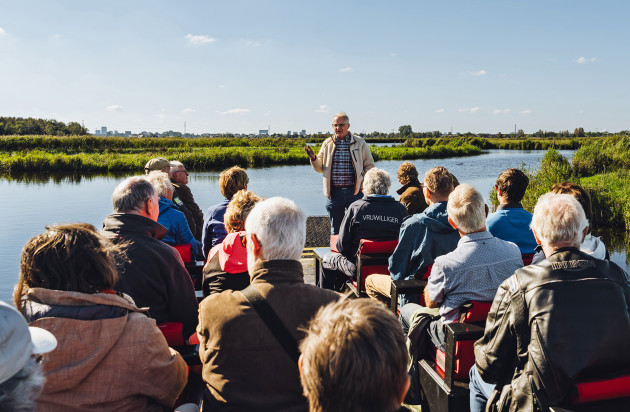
376, 182
343, 115
280, 226
132, 194
161, 183
467, 209
559, 220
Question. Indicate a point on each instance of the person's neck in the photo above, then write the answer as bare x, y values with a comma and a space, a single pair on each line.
551, 249
462, 234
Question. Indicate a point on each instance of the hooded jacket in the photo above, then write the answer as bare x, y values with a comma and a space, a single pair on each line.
422, 238
177, 229
110, 356
412, 197
511, 222
226, 268
153, 273
564, 320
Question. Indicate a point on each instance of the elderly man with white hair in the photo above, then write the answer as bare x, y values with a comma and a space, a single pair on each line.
552, 323
248, 339
473, 271
377, 216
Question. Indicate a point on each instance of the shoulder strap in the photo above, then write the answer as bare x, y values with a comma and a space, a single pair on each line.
275, 325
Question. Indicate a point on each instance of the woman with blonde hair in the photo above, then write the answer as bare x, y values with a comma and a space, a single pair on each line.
226, 267
110, 355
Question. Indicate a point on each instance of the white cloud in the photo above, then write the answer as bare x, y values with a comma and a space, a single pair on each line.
114, 108
200, 39
463, 109
499, 111
474, 109
234, 111
189, 110
479, 73
2, 32
527, 111
584, 60
322, 109
253, 43
346, 69
440, 111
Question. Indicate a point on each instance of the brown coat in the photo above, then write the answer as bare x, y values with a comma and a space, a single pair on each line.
412, 197
244, 366
118, 363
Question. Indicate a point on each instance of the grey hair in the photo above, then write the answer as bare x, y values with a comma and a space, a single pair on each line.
161, 183
344, 115
175, 164
132, 194
559, 220
18, 394
467, 209
376, 182
280, 226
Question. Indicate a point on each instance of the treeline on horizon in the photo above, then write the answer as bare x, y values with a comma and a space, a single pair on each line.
30, 126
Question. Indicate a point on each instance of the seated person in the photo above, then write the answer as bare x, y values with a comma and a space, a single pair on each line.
177, 229
473, 271
354, 358
552, 323
245, 367
422, 238
184, 199
21, 350
230, 181
511, 222
111, 356
591, 245
226, 268
376, 216
152, 273
411, 192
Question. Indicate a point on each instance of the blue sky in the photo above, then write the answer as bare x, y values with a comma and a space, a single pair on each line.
240, 66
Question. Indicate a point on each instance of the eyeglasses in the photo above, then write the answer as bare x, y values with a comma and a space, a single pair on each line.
181, 171
339, 124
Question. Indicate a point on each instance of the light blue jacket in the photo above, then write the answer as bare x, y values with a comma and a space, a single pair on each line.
511, 222
178, 231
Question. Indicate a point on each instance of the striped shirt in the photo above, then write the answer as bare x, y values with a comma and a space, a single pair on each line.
342, 169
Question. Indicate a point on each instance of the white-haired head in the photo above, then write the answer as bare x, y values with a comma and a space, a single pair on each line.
279, 226
162, 184
466, 208
376, 182
559, 220
132, 194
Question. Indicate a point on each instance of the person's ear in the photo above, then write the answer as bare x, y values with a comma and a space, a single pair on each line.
255, 245
536, 236
584, 234
453, 223
300, 363
404, 390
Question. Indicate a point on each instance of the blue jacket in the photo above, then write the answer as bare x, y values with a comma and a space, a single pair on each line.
511, 222
423, 237
178, 231
213, 228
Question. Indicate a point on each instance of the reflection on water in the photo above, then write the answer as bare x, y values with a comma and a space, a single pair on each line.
618, 245
34, 201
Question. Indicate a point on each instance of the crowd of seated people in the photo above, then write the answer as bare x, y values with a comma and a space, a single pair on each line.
269, 341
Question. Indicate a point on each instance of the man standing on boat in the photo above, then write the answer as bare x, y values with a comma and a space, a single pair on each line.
184, 199
343, 159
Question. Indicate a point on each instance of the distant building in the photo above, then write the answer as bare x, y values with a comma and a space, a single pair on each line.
104, 130
263, 132
303, 132
97, 132
127, 132
289, 133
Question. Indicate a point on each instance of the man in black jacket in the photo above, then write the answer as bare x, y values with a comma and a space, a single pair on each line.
153, 273
376, 216
555, 323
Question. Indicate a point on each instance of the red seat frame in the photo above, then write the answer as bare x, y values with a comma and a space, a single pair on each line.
372, 257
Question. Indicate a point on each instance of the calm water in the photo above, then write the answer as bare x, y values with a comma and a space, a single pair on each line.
30, 206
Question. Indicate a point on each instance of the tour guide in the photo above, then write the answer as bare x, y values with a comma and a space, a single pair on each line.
343, 159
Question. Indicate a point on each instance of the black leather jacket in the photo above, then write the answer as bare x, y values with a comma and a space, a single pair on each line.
563, 320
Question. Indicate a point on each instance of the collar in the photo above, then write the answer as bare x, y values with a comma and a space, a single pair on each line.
476, 236
379, 196
414, 183
347, 138
277, 271
510, 206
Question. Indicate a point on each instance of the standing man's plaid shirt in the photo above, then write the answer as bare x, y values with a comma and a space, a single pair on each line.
342, 169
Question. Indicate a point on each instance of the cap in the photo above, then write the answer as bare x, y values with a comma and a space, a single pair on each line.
18, 341
157, 163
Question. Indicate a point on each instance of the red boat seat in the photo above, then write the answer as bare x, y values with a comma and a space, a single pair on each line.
173, 332
185, 251
372, 257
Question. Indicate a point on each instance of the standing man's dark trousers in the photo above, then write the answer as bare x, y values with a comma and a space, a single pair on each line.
340, 199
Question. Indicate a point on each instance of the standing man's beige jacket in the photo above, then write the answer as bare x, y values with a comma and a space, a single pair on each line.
361, 160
